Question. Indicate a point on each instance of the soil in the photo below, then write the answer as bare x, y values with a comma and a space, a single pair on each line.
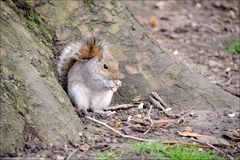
196, 33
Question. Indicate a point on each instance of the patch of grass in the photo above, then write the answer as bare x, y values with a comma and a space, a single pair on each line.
105, 155
178, 152
233, 47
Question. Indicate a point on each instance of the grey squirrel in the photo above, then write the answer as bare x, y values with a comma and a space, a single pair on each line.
90, 73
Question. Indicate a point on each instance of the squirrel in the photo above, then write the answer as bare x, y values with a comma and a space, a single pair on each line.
90, 73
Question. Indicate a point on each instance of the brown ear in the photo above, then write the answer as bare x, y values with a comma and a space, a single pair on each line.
90, 50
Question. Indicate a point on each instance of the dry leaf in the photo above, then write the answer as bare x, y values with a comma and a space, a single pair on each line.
138, 116
141, 121
153, 21
189, 134
136, 99
117, 123
233, 135
163, 122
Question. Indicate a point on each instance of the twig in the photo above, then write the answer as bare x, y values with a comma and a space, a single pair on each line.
71, 154
158, 104
121, 106
220, 151
181, 119
148, 117
150, 109
215, 148
159, 99
150, 125
116, 131
187, 111
162, 105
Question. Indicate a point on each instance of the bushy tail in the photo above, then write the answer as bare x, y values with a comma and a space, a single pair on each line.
86, 49
68, 57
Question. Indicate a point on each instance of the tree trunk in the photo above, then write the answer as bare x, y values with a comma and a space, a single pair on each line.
33, 104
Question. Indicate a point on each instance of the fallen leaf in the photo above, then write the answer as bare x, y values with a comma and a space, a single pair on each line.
117, 123
163, 122
188, 134
141, 121
153, 21
136, 99
233, 135
138, 116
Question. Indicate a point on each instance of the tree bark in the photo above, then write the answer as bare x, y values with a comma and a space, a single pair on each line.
34, 33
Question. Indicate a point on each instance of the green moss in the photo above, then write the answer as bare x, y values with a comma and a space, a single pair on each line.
88, 3
233, 47
15, 92
33, 20
41, 67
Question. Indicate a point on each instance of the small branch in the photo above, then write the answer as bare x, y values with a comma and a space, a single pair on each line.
150, 109
121, 106
116, 131
158, 104
220, 151
159, 99
187, 111
148, 117
150, 125
216, 149
71, 154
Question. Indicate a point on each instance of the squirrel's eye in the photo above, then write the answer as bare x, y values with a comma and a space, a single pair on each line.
105, 66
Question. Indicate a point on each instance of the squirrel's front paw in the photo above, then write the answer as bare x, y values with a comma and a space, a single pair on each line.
118, 83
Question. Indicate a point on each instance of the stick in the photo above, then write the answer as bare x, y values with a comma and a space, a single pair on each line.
220, 151
159, 99
215, 148
121, 106
71, 154
148, 117
150, 125
116, 131
157, 103
188, 110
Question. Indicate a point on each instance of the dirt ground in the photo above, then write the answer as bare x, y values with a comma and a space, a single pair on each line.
196, 33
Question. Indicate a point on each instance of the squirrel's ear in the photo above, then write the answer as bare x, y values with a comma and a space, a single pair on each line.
91, 49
